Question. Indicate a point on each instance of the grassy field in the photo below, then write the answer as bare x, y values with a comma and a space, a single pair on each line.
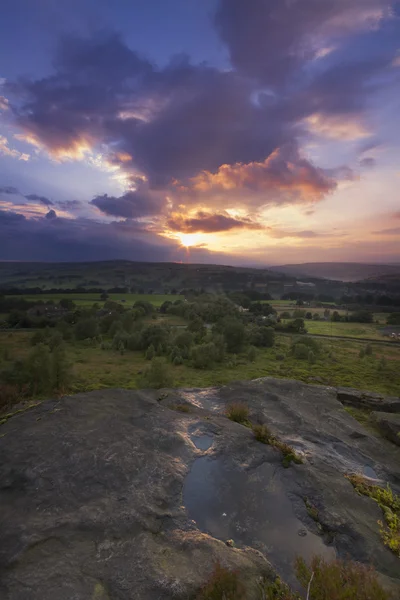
338, 364
355, 330
89, 299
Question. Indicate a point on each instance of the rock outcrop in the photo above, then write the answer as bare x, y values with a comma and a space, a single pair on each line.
117, 495
389, 425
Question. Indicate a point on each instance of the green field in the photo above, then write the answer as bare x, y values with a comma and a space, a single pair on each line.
355, 330
89, 299
338, 364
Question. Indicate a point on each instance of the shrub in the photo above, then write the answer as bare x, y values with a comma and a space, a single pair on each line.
390, 505
222, 585
158, 374
204, 355
311, 357
251, 354
262, 434
150, 352
238, 412
86, 329
339, 580
300, 351
286, 315
361, 354
368, 350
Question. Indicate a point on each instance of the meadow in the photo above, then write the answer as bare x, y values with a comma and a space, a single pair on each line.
88, 299
338, 364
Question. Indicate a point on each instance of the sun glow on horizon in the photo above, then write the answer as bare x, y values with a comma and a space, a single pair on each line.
188, 239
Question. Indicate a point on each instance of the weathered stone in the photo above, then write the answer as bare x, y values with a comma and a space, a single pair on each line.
368, 400
98, 491
389, 425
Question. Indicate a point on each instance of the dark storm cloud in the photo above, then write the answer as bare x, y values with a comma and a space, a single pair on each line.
9, 189
61, 239
132, 205
209, 223
272, 39
51, 214
41, 199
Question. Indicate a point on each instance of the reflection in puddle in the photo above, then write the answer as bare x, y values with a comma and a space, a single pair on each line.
207, 399
252, 509
202, 442
369, 472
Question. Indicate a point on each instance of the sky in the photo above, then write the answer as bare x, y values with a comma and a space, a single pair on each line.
245, 132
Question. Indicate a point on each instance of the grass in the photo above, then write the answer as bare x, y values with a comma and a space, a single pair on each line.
355, 330
238, 412
87, 300
338, 365
183, 408
320, 580
264, 435
390, 505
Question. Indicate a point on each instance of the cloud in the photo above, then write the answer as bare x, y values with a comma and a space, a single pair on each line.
340, 127
51, 214
272, 40
131, 205
63, 239
4, 104
42, 199
391, 231
305, 234
9, 189
284, 177
204, 222
368, 162
11, 152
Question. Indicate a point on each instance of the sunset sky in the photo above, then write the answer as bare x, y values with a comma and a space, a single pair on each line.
248, 132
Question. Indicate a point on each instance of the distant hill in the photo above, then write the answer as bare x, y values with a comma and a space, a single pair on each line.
339, 271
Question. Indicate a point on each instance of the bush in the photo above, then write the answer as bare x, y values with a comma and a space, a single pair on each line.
251, 354
87, 329
150, 352
368, 350
286, 315
158, 374
300, 351
222, 585
238, 412
204, 355
311, 357
262, 434
339, 580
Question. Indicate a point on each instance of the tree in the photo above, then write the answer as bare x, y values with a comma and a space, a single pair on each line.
38, 370
86, 329
234, 334
158, 374
60, 368
67, 303
251, 354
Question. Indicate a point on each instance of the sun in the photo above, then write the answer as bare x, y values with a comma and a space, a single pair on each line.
188, 239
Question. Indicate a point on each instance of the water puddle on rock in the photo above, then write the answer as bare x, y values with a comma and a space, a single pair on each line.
251, 509
370, 473
207, 399
202, 442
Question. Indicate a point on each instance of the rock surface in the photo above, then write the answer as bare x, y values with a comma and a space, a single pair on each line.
389, 424
368, 400
99, 491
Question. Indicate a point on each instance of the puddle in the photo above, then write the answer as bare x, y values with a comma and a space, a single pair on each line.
370, 473
208, 399
252, 509
202, 442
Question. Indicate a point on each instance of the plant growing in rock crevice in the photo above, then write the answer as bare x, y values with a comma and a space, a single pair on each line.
264, 435
238, 412
336, 580
390, 505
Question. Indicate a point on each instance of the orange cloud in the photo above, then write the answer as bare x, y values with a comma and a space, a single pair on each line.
282, 177
336, 127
